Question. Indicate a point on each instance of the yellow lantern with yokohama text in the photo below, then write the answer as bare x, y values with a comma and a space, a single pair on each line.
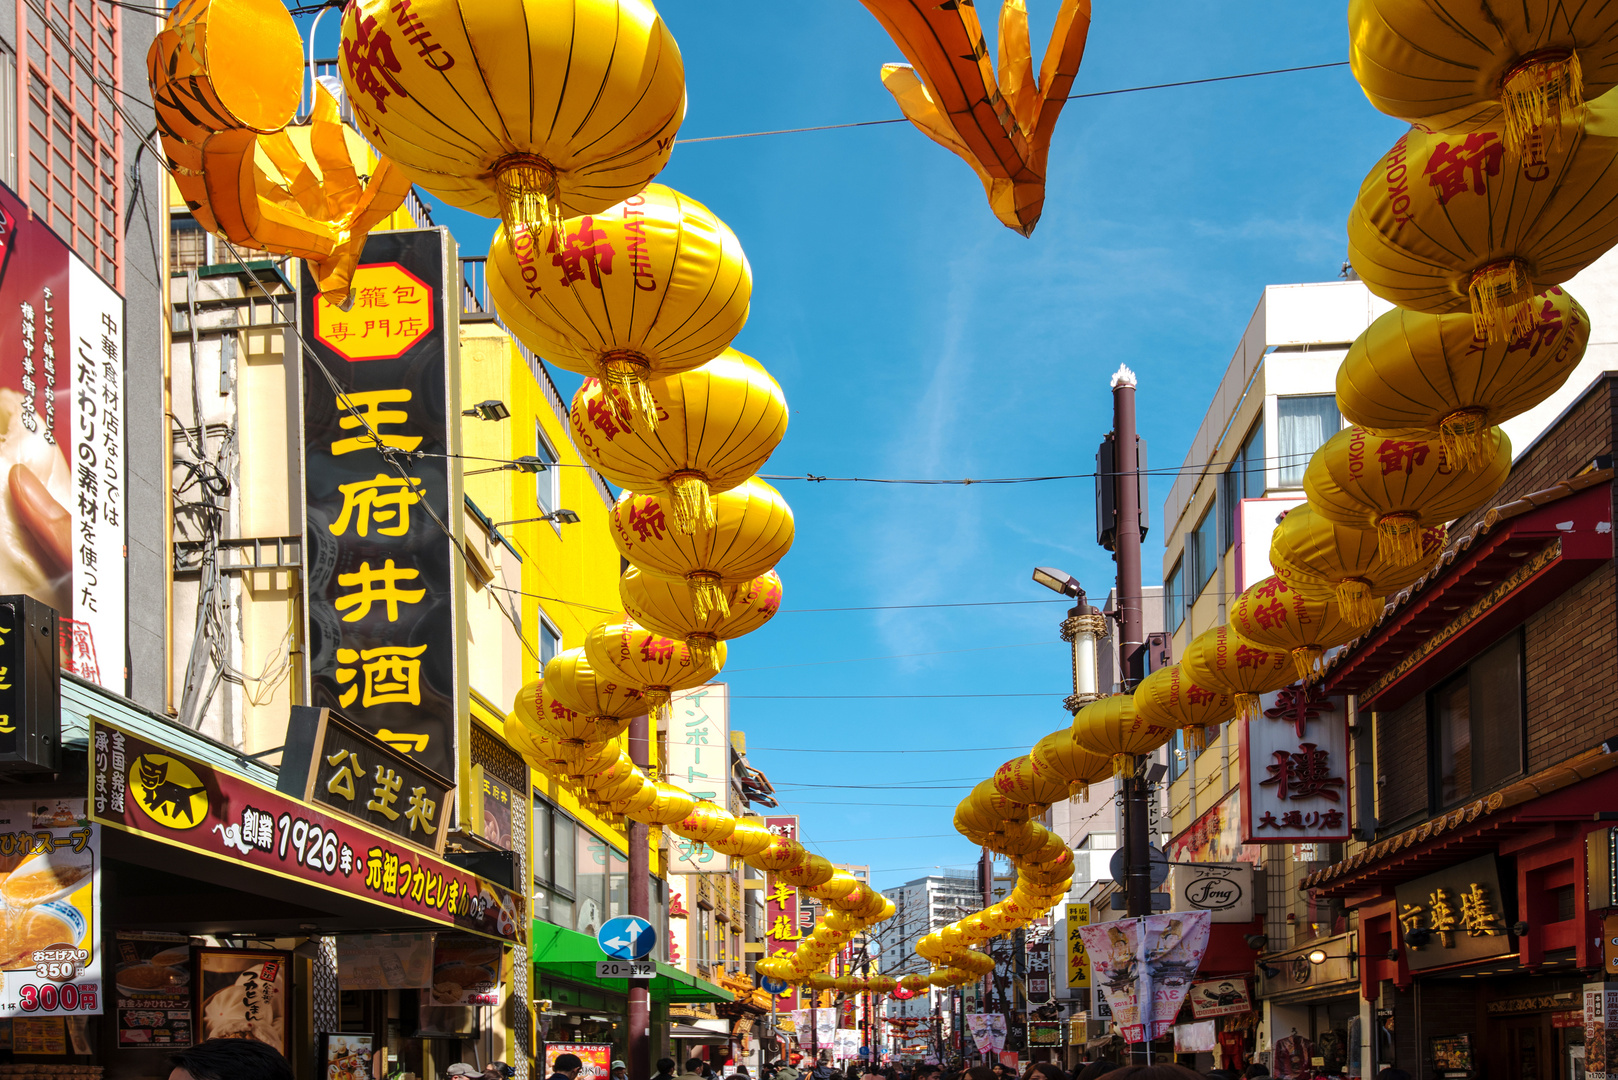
1272, 616
1399, 487
1322, 560
812, 872
705, 823
1061, 754
528, 110
1023, 780
985, 807
1453, 223
1111, 726
716, 426
749, 837
1416, 374
1169, 696
671, 805
1219, 660
752, 532
638, 657
782, 853
669, 608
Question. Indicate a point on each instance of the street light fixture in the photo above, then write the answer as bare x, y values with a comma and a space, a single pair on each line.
1058, 581
561, 517
528, 463
492, 409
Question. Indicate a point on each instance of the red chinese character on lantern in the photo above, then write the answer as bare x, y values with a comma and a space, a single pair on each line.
1546, 329
1303, 775
1406, 454
601, 416
1198, 695
657, 650
646, 518
1268, 616
1269, 587
1249, 657
586, 247
1299, 705
371, 63
1454, 168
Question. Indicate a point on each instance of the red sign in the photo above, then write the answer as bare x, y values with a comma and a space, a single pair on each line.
146, 789
1295, 769
781, 931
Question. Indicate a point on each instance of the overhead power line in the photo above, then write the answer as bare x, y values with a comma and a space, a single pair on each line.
946, 750
897, 656
875, 697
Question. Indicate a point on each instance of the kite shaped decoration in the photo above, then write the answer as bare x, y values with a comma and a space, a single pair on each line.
1000, 125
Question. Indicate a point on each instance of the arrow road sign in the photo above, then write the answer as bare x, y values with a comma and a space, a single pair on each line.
627, 938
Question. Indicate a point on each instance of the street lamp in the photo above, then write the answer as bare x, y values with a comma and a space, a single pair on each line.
561, 517
1083, 628
525, 464
1058, 581
488, 410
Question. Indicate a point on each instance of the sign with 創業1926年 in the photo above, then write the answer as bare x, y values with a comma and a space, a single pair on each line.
382, 498
1295, 769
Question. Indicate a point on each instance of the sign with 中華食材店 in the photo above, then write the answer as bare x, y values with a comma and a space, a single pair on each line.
1294, 787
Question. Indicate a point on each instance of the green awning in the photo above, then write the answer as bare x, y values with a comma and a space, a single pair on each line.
568, 954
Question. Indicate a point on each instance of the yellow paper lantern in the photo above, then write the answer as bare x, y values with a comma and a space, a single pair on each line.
641, 799
1023, 780
1061, 754
812, 872
1219, 660
716, 426
668, 608
1398, 486
1272, 616
751, 533
1448, 223
705, 823
836, 887
571, 682
656, 664
749, 837
915, 983
1414, 374
1320, 559
529, 110
1474, 65
1014, 838
881, 984
671, 805
1169, 696
782, 853
1111, 726
1049, 873
985, 808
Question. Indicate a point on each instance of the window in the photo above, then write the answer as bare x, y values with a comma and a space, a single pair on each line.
1243, 480
1303, 424
1179, 760
1174, 597
188, 244
1201, 546
1478, 720
546, 493
550, 642
554, 880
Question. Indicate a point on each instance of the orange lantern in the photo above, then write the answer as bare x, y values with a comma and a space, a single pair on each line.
1322, 560
1272, 616
1169, 696
656, 664
669, 608
1111, 726
1219, 660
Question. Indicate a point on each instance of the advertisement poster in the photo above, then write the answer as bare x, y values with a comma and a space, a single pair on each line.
846, 1044
466, 969
143, 788
699, 762
988, 1031
346, 1056
62, 411
151, 976
46, 1036
1078, 961
1220, 997
597, 1058
50, 903
1150, 959
781, 932
1295, 769
384, 961
242, 994
1216, 837
1198, 1038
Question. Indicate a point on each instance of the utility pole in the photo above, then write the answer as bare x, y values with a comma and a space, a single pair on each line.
640, 906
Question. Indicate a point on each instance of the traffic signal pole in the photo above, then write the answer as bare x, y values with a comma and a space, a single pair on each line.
640, 906
1131, 634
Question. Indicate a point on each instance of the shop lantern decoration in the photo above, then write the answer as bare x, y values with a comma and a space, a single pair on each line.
1452, 223
1272, 616
716, 427
1023, 780
1168, 696
1470, 66
526, 110
571, 683
668, 608
1219, 660
749, 837
1416, 374
1061, 754
1000, 125
1322, 560
1399, 486
226, 78
656, 665
1112, 726
752, 532
652, 287
985, 808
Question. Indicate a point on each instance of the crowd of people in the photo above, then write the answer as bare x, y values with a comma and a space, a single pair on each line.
1093, 1070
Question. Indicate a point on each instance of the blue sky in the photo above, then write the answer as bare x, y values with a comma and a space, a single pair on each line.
916, 337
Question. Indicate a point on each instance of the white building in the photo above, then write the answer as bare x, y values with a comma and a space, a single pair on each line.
924, 905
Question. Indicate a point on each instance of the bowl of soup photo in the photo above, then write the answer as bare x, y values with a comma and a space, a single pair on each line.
45, 877
145, 977
38, 928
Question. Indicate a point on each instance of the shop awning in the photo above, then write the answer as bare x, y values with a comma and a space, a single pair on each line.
568, 954
687, 1031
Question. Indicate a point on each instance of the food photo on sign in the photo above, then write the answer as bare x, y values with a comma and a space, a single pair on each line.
242, 994
152, 986
50, 905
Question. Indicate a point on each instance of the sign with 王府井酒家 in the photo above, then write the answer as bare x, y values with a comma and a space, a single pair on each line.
382, 497
1294, 787
699, 762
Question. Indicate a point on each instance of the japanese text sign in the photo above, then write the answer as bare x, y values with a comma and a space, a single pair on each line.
243, 994
1221, 997
335, 762
383, 587
699, 762
1463, 911
30, 686
1294, 757
62, 409
143, 788
52, 956
781, 931
1078, 961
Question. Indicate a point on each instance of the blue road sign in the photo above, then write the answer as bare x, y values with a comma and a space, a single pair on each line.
773, 986
627, 938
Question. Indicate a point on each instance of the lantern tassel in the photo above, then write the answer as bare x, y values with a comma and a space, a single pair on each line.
704, 647
1357, 604
530, 199
693, 504
657, 703
1198, 736
706, 596
1398, 539
1462, 434
624, 376
1247, 706
1078, 791
1306, 659
1538, 92
1123, 764
1502, 300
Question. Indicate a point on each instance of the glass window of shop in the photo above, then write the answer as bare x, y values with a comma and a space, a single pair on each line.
554, 879
1477, 722
602, 882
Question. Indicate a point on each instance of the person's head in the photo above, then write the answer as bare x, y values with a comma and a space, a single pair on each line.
619, 1070
567, 1065
665, 1066
1255, 1070
498, 1070
462, 1069
229, 1059
695, 1065
1095, 1070
1165, 1071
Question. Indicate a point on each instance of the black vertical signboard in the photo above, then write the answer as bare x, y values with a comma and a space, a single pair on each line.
381, 574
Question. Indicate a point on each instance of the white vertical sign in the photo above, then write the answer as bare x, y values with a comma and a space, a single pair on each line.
699, 762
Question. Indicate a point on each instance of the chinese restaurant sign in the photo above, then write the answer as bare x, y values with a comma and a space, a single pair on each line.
1462, 908
333, 761
699, 762
1038, 946
382, 581
1078, 961
142, 788
61, 406
1295, 769
51, 957
781, 932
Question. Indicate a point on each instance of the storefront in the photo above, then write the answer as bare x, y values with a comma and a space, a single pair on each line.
1313, 1017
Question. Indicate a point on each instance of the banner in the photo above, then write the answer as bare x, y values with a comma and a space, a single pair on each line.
384, 961
846, 1043
597, 1058
153, 989
1148, 960
1078, 961
988, 1031
1038, 939
1220, 997
51, 911
781, 931
243, 994
699, 762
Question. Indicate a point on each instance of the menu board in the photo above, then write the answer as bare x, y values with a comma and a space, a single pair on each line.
39, 1036
597, 1058
242, 994
466, 968
50, 901
152, 981
384, 961
346, 1055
